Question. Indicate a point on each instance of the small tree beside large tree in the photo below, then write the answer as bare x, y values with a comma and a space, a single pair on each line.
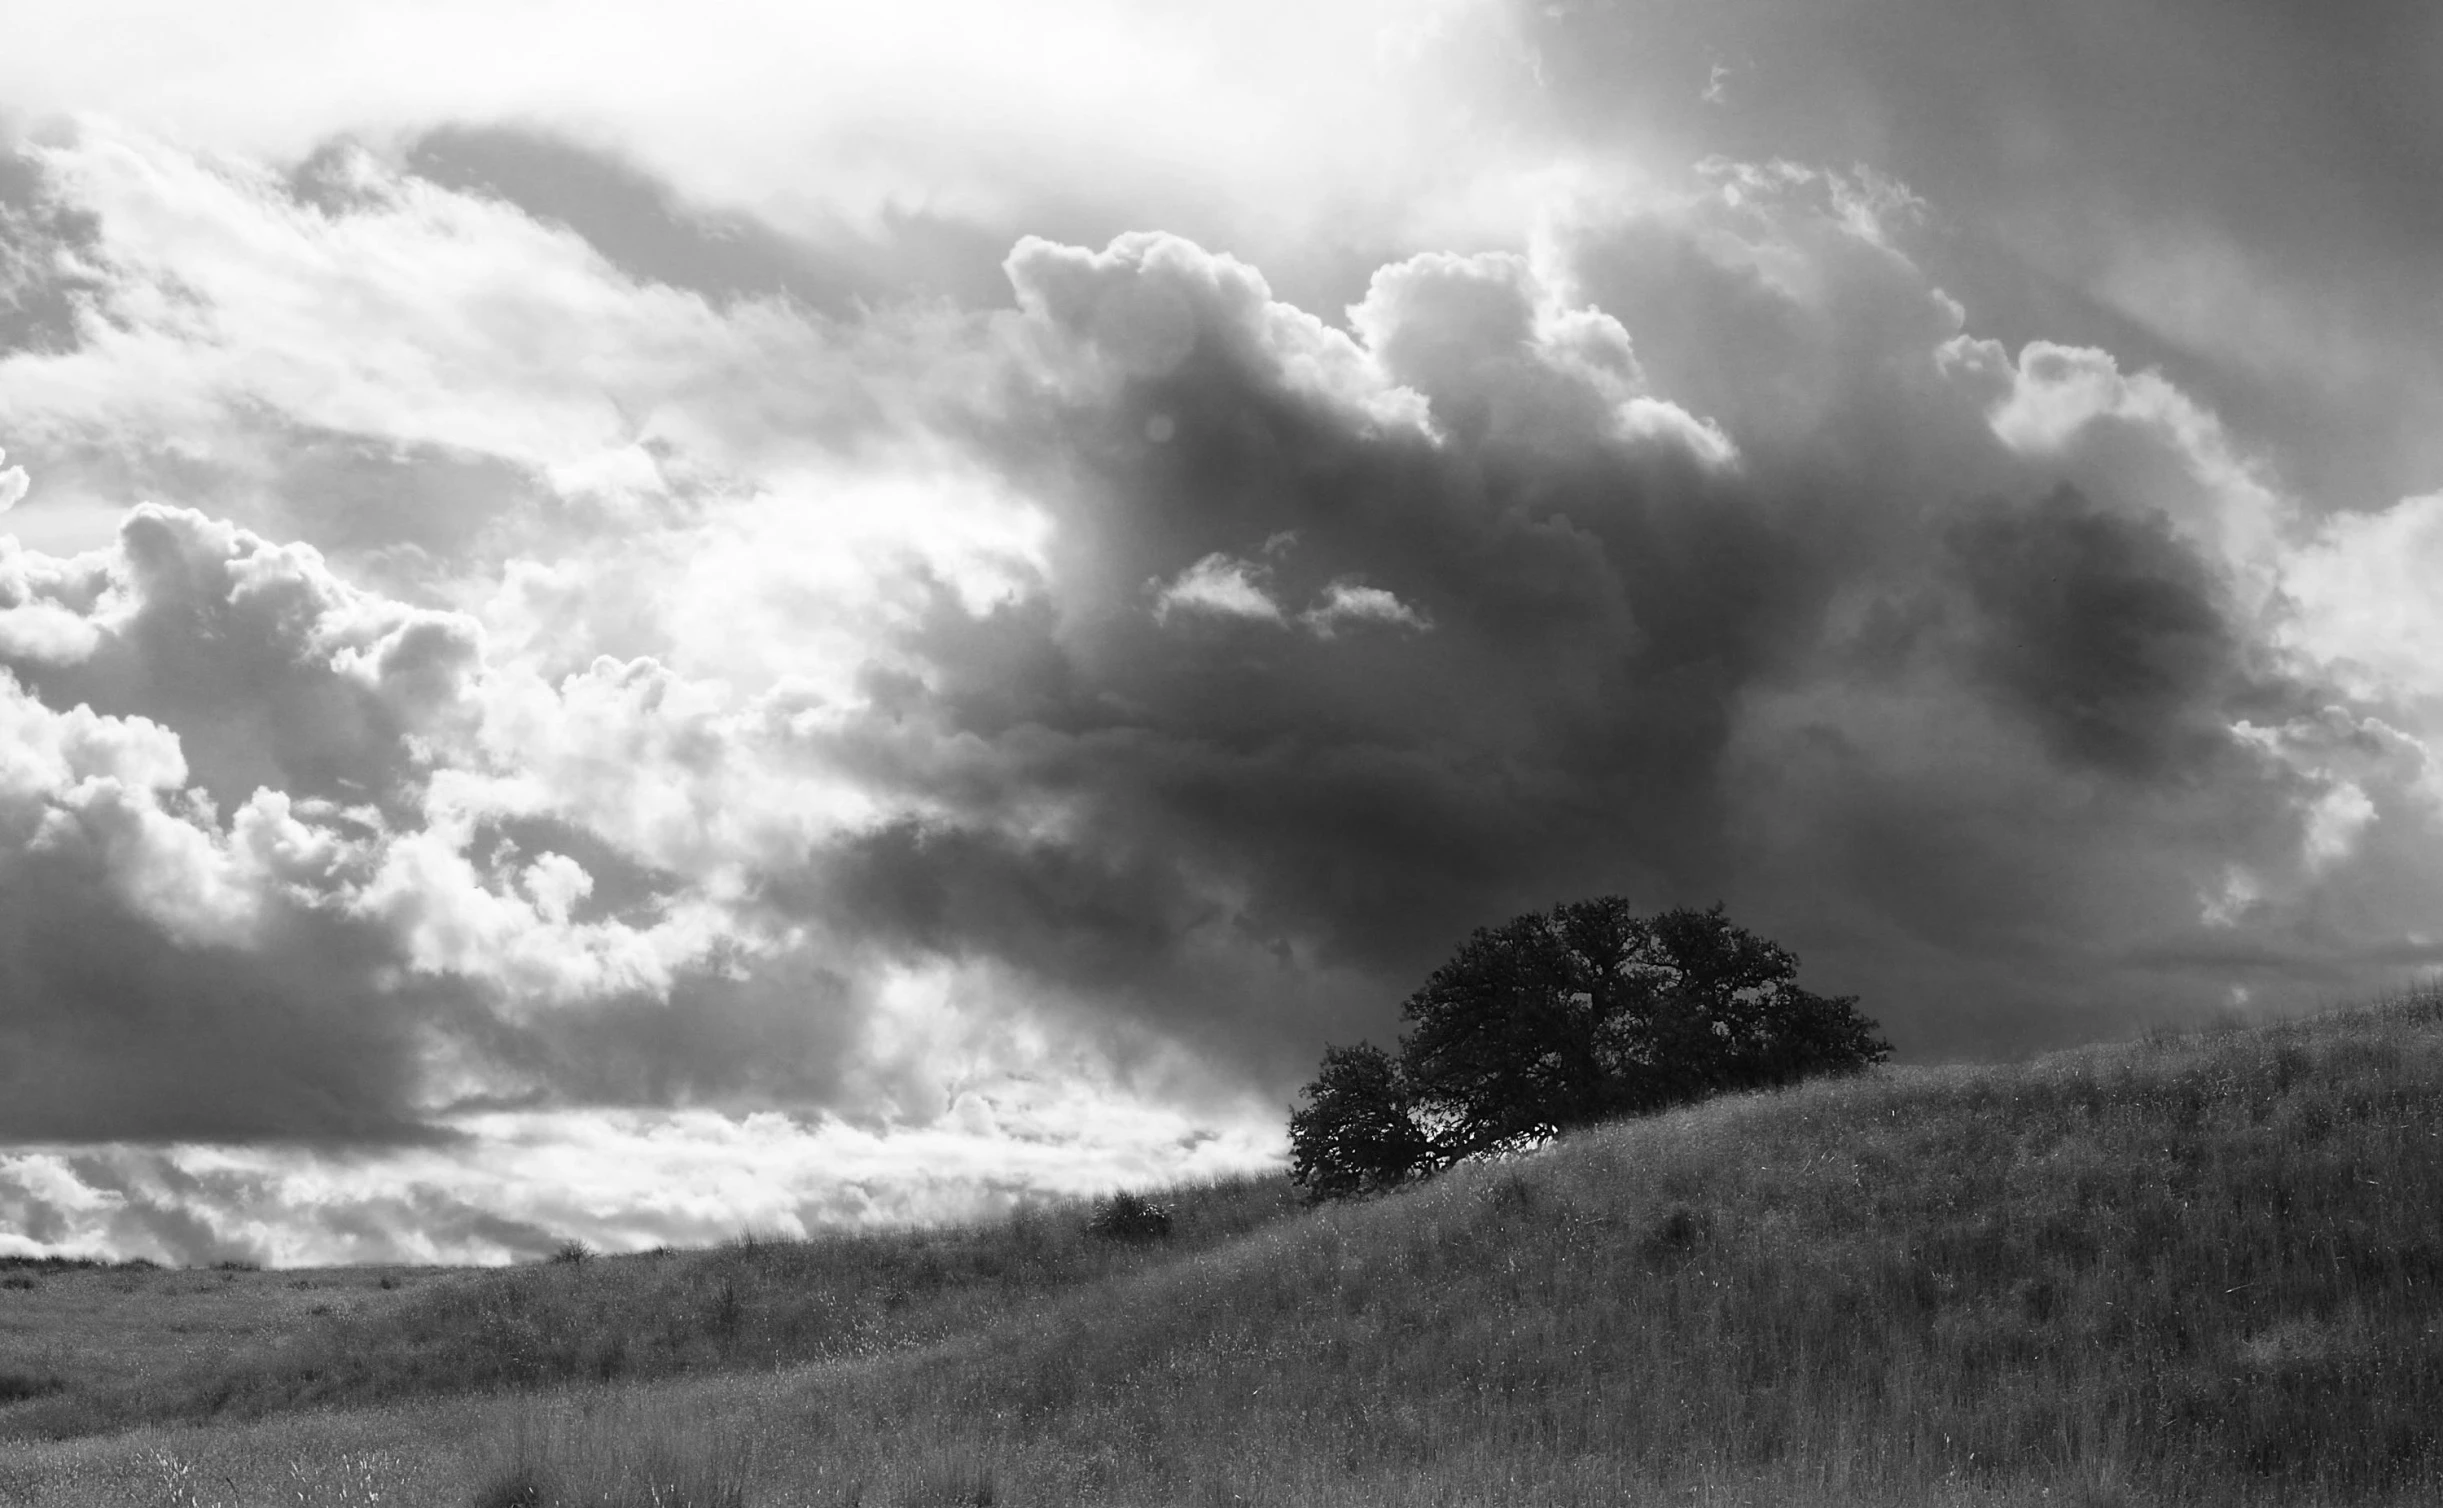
1559, 1019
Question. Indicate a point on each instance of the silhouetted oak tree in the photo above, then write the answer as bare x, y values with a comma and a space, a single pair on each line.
1357, 1133
1562, 1018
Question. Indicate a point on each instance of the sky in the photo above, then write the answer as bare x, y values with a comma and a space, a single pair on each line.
636, 622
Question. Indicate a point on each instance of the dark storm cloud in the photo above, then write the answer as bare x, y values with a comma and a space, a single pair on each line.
242, 649
732, 1035
2106, 631
1818, 677
1597, 600
114, 1030
1073, 916
2239, 189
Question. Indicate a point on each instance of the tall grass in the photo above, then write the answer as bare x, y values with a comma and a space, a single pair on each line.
2202, 1270
751, 1305
607, 1451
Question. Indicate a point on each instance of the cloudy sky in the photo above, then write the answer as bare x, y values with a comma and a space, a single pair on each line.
638, 621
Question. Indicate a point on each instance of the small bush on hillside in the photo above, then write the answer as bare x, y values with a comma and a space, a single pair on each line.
1561, 1019
572, 1252
16, 1387
1129, 1217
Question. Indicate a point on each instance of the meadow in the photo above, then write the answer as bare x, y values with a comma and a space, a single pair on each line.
2199, 1269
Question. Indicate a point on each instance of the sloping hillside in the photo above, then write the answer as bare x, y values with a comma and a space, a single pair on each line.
2207, 1270
749, 1305
2202, 1271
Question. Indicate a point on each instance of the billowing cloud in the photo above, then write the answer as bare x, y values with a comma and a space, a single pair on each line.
562, 645
2186, 187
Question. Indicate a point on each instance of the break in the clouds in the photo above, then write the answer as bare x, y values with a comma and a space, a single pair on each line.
583, 656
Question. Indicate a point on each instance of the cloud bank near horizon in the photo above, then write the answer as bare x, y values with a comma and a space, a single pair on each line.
611, 678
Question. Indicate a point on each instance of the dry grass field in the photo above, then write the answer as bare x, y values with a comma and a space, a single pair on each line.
129, 1331
2205, 1270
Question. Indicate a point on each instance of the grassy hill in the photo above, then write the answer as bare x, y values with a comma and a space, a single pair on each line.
377, 1336
2202, 1270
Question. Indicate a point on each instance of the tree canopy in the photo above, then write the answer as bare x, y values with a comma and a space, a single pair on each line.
1562, 1018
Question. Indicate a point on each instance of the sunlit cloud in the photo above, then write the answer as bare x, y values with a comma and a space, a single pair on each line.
1219, 586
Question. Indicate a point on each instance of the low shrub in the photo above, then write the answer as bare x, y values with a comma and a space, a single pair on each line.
16, 1387
1129, 1217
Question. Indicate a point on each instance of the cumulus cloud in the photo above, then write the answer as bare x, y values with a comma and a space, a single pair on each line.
1503, 360
1348, 604
1219, 586
316, 901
